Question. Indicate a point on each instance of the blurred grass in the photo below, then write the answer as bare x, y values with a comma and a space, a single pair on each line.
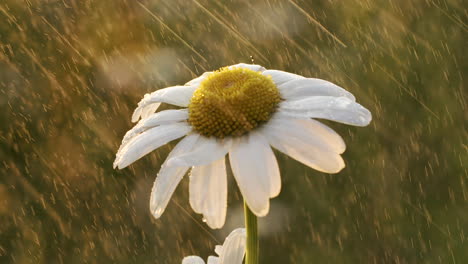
71, 73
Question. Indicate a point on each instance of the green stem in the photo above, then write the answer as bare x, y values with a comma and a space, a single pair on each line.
251, 251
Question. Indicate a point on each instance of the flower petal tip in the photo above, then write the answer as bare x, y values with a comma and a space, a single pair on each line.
156, 212
193, 260
261, 212
122, 164
368, 117
136, 114
338, 169
215, 221
215, 225
365, 117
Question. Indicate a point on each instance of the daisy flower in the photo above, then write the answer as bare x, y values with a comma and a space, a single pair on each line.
231, 252
242, 110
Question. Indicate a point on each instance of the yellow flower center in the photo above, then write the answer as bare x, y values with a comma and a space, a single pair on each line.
232, 102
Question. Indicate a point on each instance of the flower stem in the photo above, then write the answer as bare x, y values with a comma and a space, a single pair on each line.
251, 251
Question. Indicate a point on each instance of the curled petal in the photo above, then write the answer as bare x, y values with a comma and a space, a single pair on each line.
231, 252
176, 95
148, 141
156, 119
233, 249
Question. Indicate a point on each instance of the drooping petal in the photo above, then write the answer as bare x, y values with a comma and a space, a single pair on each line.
199, 79
205, 152
307, 127
156, 119
251, 165
339, 109
148, 141
252, 67
193, 260
208, 192
169, 177
176, 95
293, 141
233, 249
301, 88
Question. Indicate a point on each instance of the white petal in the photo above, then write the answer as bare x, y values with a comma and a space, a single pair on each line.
218, 249
307, 127
149, 141
169, 177
164, 117
252, 67
156, 119
339, 109
208, 192
251, 166
300, 88
303, 147
198, 80
273, 171
147, 111
280, 77
193, 260
138, 112
213, 260
176, 95
205, 152
234, 247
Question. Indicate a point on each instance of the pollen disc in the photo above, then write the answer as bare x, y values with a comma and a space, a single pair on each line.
232, 102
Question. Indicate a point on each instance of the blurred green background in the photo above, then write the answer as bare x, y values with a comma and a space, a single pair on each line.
72, 71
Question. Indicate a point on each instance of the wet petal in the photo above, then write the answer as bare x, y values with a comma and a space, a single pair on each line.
205, 152
252, 67
156, 119
301, 88
169, 177
218, 249
339, 109
214, 260
208, 192
176, 95
280, 77
149, 141
251, 166
307, 149
193, 260
233, 250
310, 128
199, 79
